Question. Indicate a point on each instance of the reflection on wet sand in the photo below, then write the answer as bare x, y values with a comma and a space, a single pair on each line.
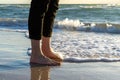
40, 72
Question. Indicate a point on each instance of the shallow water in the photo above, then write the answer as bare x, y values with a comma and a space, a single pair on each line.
90, 35
13, 48
86, 47
75, 36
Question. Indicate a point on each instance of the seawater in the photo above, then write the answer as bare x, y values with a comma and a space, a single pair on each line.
96, 18
84, 32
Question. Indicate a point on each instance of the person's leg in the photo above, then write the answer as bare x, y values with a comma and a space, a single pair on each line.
47, 31
36, 16
37, 55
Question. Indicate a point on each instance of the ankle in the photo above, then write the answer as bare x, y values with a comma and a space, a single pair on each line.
46, 43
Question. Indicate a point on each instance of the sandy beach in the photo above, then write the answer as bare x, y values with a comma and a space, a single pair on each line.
14, 64
67, 71
89, 41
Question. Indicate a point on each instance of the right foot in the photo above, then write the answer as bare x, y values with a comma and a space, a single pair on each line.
42, 60
53, 55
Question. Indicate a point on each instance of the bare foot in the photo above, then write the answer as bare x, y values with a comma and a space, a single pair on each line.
47, 50
42, 60
52, 55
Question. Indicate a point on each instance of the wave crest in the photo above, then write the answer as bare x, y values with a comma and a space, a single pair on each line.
77, 25
66, 24
13, 22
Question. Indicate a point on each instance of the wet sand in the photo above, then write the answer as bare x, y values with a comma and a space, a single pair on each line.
67, 71
14, 64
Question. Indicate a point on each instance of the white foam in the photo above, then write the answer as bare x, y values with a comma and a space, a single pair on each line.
77, 25
79, 60
85, 47
100, 6
69, 24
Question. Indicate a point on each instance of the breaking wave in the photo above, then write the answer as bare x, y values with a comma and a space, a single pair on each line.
76, 25
66, 24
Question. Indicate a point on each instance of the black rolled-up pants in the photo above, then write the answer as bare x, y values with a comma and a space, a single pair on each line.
41, 18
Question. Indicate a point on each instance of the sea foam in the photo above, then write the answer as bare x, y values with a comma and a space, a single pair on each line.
85, 47
81, 60
77, 25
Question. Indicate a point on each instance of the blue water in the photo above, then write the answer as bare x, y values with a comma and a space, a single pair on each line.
86, 31
16, 16
85, 13
90, 13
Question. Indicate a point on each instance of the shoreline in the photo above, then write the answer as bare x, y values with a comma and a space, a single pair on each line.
72, 71
14, 63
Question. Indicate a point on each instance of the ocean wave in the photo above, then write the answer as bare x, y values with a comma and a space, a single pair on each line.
72, 8
77, 25
89, 6
100, 6
14, 5
12, 22
66, 24
14, 30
